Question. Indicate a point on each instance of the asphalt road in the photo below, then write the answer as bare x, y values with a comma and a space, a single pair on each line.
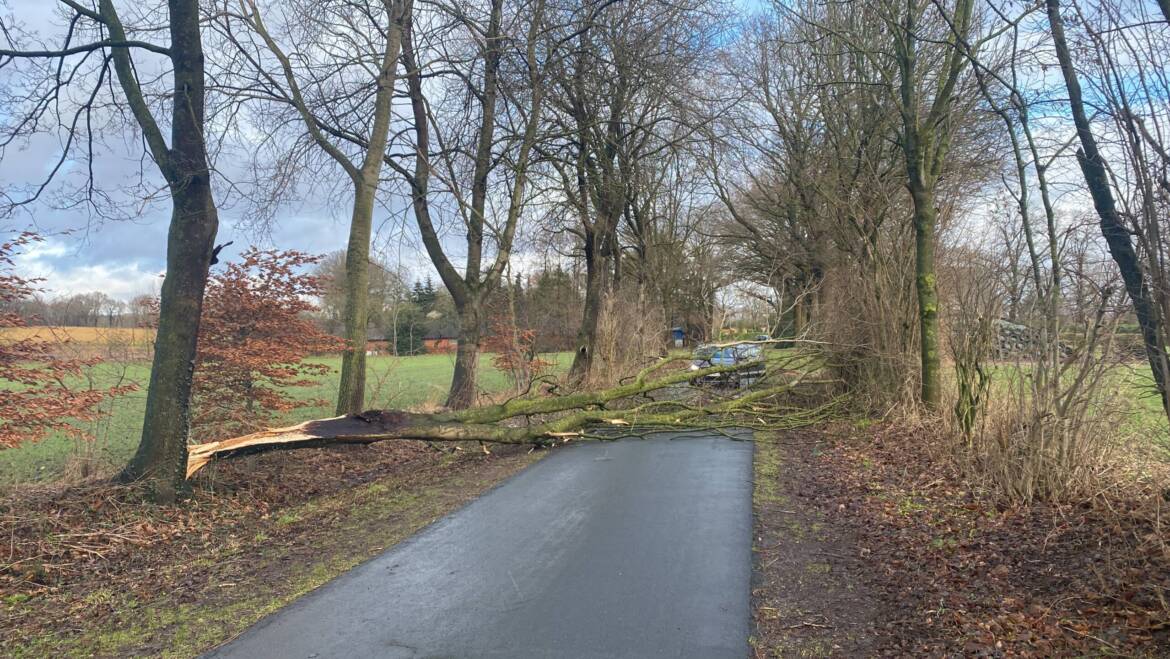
636, 548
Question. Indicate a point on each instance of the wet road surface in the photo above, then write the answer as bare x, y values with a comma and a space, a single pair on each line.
635, 548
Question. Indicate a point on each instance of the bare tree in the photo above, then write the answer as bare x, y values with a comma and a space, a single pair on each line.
95, 47
927, 102
493, 59
618, 97
344, 50
809, 169
1114, 228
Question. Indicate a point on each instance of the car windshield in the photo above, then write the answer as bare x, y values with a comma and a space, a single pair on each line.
736, 352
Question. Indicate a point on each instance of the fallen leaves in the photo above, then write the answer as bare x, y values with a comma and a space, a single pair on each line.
980, 578
69, 553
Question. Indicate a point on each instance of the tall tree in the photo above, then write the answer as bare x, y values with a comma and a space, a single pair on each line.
619, 96
809, 170
183, 164
1113, 227
492, 124
927, 103
308, 80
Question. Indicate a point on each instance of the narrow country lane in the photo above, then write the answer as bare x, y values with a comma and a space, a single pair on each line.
635, 548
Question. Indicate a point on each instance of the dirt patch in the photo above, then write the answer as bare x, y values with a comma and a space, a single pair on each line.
870, 543
93, 570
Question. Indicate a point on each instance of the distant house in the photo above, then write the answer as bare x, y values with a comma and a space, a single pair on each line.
377, 344
440, 342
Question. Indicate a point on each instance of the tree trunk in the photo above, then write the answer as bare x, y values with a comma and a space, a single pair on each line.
595, 286
463, 391
351, 394
563, 417
161, 458
1113, 228
924, 278
798, 315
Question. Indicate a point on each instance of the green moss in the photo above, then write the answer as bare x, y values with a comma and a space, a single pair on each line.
864, 423
908, 506
944, 543
288, 519
16, 599
99, 597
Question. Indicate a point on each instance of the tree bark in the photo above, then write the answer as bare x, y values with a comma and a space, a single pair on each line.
463, 392
925, 143
365, 177
1113, 228
556, 418
161, 457
924, 279
596, 271
351, 393
470, 291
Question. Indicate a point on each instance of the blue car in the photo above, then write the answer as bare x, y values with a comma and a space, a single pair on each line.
708, 356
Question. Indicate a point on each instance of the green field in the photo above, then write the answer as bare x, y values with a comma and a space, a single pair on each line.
1129, 394
396, 382
392, 382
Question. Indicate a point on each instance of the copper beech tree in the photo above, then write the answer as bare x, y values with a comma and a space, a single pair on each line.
513, 350
38, 398
253, 339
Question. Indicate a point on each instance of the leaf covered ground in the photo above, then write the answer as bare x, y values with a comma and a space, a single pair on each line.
92, 570
869, 543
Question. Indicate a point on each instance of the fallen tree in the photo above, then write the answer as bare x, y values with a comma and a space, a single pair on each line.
550, 418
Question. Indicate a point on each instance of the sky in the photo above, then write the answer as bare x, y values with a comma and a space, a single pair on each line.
125, 257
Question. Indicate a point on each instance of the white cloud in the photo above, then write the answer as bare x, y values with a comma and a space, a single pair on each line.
48, 260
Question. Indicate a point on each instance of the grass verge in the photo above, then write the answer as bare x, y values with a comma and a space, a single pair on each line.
869, 542
127, 579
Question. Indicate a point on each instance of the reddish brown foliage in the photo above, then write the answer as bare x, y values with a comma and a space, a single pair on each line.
253, 339
37, 399
514, 351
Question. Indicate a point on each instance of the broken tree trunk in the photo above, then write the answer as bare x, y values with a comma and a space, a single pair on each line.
561, 417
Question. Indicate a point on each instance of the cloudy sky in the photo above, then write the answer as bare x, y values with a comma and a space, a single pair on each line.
123, 257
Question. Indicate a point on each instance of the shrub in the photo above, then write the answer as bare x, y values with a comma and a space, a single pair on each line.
38, 398
253, 339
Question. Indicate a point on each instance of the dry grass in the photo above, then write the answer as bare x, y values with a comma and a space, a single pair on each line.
138, 336
116, 343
